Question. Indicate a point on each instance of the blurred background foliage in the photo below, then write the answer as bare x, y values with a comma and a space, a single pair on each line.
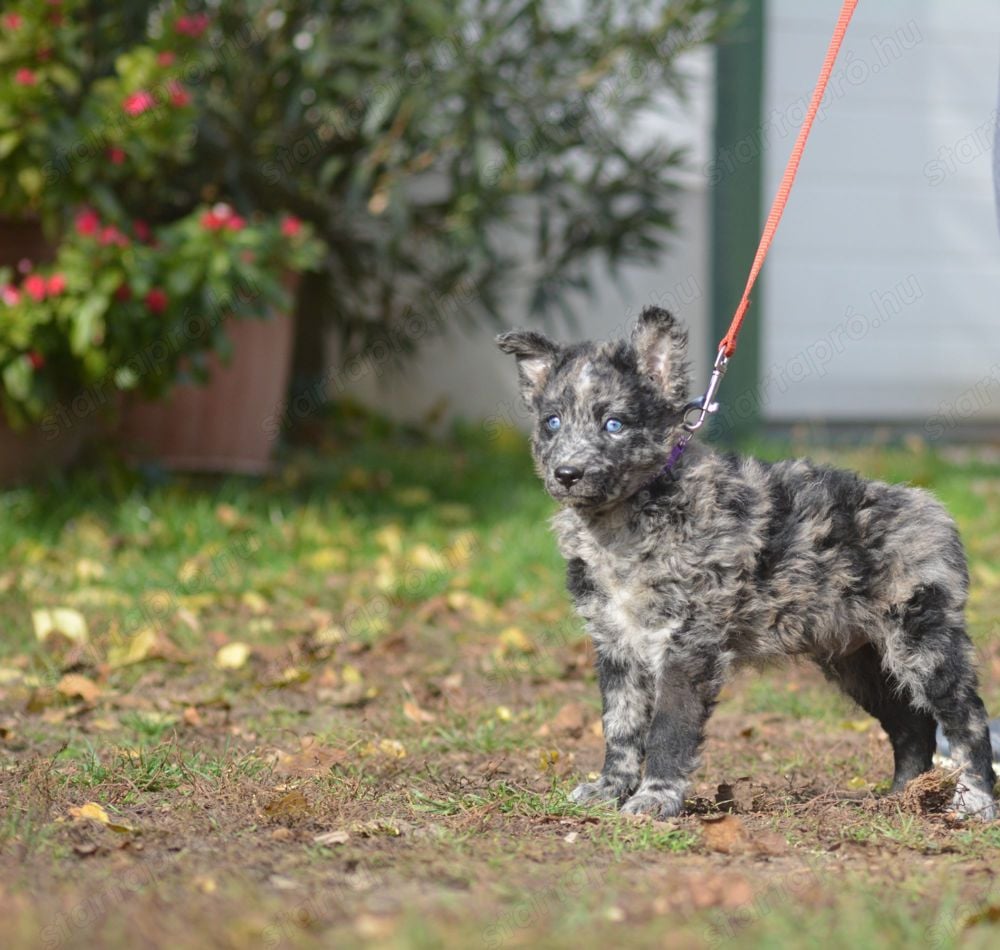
425, 138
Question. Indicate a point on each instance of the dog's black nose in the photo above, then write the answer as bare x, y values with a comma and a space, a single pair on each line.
568, 475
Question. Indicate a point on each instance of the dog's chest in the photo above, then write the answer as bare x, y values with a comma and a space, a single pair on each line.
630, 604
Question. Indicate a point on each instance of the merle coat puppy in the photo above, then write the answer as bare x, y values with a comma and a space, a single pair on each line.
684, 575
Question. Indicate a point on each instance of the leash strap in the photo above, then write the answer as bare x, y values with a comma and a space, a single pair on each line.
728, 342
696, 413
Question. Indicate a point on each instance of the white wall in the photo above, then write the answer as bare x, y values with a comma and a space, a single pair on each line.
882, 292
471, 379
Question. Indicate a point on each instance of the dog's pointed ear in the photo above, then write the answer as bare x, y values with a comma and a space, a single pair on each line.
661, 348
535, 353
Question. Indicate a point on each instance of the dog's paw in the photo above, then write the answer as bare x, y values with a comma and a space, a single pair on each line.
659, 803
603, 790
974, 803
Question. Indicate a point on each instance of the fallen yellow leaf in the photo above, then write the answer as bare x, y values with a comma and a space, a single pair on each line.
89, 812
137, 648
326, 559
205, 884
393, 748
514, 640
60, 620
87, 569
350, 675
232, 656
390, 537
547, 759
426, 558
256, 603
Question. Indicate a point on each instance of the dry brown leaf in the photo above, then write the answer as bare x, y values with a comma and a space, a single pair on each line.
333, 837
725, 833
513, 640
290, 805
73, 684
230, 517
735, 796
570, 720
311, 759
376, 827
415, 714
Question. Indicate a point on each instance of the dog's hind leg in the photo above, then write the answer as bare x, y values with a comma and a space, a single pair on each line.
934, 658
910, 730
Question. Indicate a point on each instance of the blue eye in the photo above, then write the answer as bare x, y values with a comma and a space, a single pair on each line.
553, 423
614, 425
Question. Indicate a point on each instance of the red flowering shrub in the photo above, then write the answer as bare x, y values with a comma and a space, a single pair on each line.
123, 306
84, 140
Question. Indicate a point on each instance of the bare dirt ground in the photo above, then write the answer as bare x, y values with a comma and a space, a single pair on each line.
419, 809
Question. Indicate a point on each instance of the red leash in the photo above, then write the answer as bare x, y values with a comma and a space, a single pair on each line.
728, 342
706, 404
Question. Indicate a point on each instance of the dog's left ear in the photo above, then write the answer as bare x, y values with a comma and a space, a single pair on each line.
661, 347
535, 353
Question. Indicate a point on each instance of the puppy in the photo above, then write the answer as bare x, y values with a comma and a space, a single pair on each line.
683, 575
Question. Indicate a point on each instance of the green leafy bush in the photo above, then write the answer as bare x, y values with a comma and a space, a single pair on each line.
438, 149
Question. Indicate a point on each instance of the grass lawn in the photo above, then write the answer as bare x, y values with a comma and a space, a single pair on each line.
344, 706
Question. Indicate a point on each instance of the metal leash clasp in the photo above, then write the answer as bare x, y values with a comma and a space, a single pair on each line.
705, 405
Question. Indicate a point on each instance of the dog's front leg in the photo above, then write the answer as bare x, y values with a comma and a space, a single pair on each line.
627, 697
686, 691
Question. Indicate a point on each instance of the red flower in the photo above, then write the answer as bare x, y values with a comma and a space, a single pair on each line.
25, 77
34, 286
12, 21
221, 216
141, 229
111, 235
36, 359
56, 284
44, 55
179, 96
210, 221
123, 291
291, 226
166, 58
156, 300
116, 156
138, 102
193, 25
87, 222
10, 295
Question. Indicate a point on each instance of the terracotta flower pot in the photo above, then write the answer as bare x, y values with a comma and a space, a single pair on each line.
35, 451
228, 423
